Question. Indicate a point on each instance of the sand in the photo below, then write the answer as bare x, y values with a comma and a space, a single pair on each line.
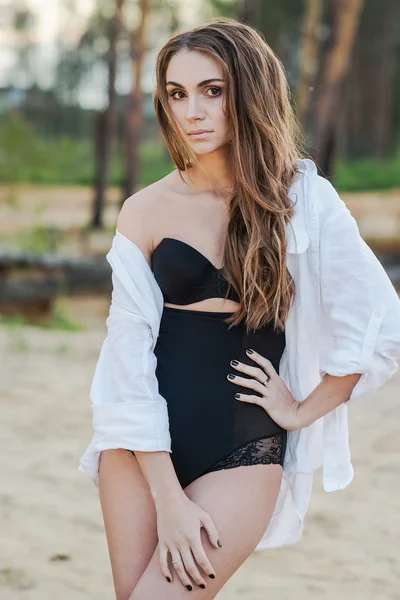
52, 539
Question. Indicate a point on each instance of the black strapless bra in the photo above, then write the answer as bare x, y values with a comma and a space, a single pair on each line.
185, 275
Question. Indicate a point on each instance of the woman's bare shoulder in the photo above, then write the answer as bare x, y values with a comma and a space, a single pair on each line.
140, 214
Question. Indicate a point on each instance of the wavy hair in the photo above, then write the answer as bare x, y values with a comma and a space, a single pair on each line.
265, 140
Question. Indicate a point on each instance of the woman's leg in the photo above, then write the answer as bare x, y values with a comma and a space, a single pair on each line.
129, 518
241, 501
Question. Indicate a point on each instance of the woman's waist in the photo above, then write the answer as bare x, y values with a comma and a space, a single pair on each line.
178, 322
196, 312
206, 335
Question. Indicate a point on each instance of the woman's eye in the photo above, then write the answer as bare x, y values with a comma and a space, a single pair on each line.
176, 92
217, 89
213, 95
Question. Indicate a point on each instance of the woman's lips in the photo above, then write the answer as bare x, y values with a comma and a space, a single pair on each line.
202, 135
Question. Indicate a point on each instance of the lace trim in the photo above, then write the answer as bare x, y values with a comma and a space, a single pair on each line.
264, 451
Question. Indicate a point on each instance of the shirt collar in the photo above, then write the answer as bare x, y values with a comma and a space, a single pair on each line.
297, 239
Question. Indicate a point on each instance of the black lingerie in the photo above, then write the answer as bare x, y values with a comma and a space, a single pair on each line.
210, 429
185, 275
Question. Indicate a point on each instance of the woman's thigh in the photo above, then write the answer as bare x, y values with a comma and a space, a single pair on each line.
129, 518
241, 501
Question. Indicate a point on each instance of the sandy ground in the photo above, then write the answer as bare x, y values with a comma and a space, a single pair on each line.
350, 547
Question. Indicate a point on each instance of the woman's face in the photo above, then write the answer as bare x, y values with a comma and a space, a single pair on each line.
196, 96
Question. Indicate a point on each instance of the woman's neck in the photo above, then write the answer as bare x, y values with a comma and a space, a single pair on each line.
212, 175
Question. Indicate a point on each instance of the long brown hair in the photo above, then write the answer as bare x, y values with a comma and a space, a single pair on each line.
265, 141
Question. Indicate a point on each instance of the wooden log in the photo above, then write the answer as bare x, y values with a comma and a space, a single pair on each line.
26, 277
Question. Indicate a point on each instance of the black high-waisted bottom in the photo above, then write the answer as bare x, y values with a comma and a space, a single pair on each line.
210, 429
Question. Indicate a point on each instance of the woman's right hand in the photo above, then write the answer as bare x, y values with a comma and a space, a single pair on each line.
179, 525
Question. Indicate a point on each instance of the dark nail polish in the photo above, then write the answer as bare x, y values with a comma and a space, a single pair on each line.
219, 543
249, 351
212, 576
202, 586
237, 395
231, 376
168, 579
234, 362
189, 587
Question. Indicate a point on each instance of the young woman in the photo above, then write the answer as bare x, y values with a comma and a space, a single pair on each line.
247, 312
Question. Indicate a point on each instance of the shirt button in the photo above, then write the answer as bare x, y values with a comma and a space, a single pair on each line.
379, 312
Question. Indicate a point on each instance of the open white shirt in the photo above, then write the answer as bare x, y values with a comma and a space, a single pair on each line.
345, 319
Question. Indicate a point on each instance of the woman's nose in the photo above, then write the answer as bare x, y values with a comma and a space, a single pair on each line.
193, 110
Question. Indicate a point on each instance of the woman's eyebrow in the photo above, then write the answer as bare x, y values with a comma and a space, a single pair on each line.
199, 85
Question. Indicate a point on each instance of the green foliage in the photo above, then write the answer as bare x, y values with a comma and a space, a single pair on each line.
368, 174
15, 326
225, 8
25, 157
13, 322
21, 152
40, 239
58, 321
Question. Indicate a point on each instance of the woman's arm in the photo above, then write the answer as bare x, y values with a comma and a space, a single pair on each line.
160, 475
330, 393
135, 223
360, 308
276, 399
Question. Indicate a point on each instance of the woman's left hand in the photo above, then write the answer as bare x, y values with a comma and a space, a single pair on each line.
275, 398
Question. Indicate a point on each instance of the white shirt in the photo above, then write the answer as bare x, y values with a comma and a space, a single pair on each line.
345, 319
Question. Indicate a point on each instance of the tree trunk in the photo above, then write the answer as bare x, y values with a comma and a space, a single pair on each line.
368, 123
134, 113
308, 62
386, 79
250, 12
344, 22
105, 128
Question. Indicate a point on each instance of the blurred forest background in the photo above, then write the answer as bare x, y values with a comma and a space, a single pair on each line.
82, 97
78, 135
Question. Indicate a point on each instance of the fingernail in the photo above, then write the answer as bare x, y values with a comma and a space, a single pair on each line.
219, 543
237, 395
231, 376
168, 579
249, 351
189, 587
202, 586
212, 576
234, 362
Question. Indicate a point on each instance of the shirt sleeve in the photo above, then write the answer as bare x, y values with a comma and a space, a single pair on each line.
128, 410
358, 302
